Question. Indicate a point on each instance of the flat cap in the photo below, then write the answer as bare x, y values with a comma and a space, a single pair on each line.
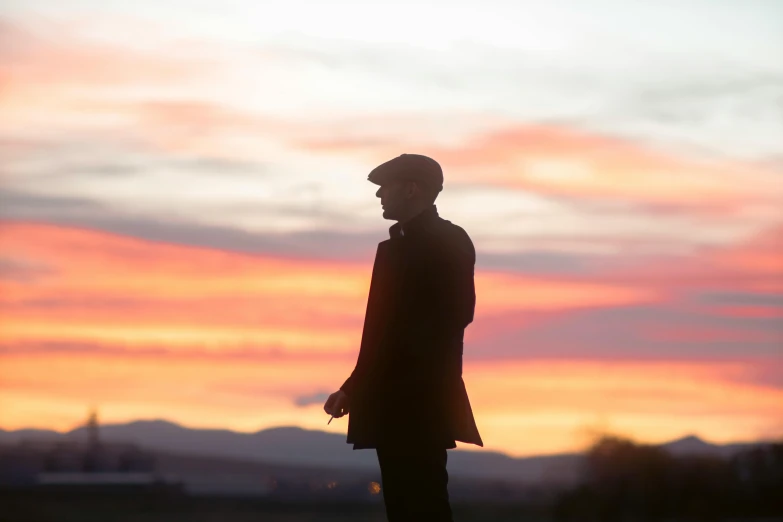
413, 167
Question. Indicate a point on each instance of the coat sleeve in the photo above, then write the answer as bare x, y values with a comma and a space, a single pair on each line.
454, 299
438, 311
370, 327
347, 386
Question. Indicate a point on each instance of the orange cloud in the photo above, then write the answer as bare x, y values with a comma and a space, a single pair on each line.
215, 338
177, 294
521, 407
563, 162
52, 75
754, 265
199, 392
117, 289
501, 293
73, 83
55, 79
546, 406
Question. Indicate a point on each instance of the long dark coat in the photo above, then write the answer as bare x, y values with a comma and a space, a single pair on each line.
407, 385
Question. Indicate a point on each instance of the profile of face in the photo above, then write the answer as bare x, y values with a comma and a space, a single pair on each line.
397, 198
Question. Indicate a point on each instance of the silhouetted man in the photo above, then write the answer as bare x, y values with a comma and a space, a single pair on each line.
406, 396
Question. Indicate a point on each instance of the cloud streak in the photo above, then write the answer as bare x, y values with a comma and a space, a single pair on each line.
181, 234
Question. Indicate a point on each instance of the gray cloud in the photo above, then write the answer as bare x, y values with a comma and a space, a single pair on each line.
319, 244
251, 353
307, 400
540, 262
741, 299
90, 303
86, 157
23, 270
662, 331
682, 105
83, 212
221, 166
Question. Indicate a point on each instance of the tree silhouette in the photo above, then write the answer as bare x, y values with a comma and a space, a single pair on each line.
624, 480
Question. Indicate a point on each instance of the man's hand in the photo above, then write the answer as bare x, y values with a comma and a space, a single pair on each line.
337, 404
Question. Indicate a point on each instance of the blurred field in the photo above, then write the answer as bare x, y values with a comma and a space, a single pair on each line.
624, 482
139, 508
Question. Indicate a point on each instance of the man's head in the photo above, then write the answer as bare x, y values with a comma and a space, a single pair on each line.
408, 183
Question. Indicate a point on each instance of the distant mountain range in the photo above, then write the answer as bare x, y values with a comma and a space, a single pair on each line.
289, 446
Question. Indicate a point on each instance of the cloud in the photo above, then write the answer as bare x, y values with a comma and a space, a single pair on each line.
308, 400
601, 189
504, 209
207, 128
228, 353
23, 271
742, 299
184, 296
119, 289
667, 330
47, 54
542, 262
562, 162
188, 159
542, 252
84, 212
79, 162
309, 244
681, 106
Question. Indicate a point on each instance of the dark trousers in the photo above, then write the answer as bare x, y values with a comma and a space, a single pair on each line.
413, 483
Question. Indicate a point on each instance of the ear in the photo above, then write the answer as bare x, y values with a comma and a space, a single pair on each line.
412, 189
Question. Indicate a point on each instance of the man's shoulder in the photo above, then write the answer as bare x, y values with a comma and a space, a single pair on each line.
451, 232
452, 240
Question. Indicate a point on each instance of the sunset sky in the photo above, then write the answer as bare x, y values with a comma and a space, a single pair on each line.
187, 230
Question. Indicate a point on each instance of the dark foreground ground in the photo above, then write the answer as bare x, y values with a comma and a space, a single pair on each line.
60, 507
134, 508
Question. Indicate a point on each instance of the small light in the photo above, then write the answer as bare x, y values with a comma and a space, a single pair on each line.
374, 488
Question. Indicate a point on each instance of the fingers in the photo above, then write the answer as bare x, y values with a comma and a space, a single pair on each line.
336, 405
329, 406
337, 409
340, 407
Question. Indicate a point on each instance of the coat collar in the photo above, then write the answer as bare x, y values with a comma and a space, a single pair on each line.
415, 224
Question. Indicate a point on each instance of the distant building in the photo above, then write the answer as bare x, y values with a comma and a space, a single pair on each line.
73, 464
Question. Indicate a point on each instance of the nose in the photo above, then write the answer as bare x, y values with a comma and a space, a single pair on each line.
378, 192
